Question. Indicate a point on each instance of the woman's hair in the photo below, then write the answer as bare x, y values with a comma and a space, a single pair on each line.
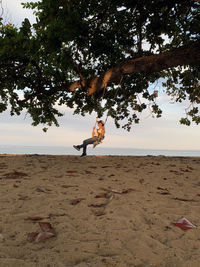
102, 122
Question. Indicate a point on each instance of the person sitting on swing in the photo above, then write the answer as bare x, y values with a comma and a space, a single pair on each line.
97, 138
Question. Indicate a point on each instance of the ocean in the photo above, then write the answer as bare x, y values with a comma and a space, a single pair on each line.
56, 150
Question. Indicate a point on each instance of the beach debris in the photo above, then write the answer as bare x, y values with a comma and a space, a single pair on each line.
106, 166
184, 199
103, 195
45, 190
14, 185
187, 169
76, 201
71, 171
15, 175
23, 197
171, 165
58, 176
92, 167
184, 224
35, 218
124, 191
68, 186
97, 205
47, 231
164, 191
99, 212
38, 218
108, 196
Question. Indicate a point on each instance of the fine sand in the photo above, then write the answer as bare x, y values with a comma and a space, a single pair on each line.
102, 210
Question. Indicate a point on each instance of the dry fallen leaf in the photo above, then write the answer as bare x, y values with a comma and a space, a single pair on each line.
71, 171
184, 199
35, 218
76, 201
184, 224
102, 195
164, 191
68, 186
124, 191
32, 236
38, 189
97, 205
47, 231
42, 236
15, 175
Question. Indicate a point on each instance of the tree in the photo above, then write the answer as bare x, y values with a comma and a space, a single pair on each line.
101, 56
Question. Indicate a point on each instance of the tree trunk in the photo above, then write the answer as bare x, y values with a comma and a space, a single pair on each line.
183, 55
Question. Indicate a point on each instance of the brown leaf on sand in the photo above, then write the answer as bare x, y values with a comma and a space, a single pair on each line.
164, 191
23, 197
58, 176
184, 224
38, 189
68, 186
92, 167
47, 231
46, 227
124, 191
106, 166
186, 170
109, 197
97, 205
102, 195
35, 218
14, 175
184, 199
32, 236
161, 188
42, 236
88, 172
71, 171
76, 201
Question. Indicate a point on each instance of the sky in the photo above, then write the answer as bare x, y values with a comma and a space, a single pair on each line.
151, 133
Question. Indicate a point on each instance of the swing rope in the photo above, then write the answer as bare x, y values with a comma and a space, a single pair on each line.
107, 115
100, 141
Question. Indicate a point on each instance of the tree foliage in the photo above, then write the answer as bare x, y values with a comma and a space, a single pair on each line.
101, 56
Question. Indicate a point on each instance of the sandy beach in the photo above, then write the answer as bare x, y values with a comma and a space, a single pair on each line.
99, 211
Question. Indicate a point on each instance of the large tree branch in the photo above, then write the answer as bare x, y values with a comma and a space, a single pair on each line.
183, 55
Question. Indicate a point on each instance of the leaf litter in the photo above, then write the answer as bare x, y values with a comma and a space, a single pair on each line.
47, 231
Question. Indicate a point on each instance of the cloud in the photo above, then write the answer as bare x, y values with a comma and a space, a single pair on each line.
15, 13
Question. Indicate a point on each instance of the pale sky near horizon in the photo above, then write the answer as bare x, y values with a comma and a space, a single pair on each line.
162, 133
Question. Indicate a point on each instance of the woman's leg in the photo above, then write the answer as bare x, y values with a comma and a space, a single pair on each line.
87, 142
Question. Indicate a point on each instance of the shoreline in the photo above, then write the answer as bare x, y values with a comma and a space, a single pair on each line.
105, 210
92, 155
99, 150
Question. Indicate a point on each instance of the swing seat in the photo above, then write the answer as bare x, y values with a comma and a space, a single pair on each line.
96, 143
99, 141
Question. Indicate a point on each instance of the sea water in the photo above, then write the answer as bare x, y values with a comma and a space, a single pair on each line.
100, 150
